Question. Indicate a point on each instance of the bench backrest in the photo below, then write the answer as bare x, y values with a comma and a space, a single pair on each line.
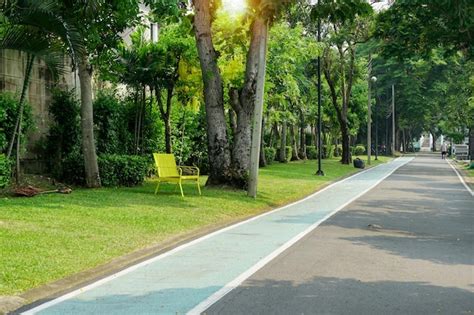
166, 165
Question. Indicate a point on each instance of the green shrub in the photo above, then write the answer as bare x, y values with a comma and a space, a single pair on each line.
312, 152
64, 134
288, 152
5, 170
328, 151
359, 150
270, 155
110, 127
72, 170
8, 115
122, 170
337, 150
115, 170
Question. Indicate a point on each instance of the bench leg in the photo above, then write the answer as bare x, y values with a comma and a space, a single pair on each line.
199, 187
181, 188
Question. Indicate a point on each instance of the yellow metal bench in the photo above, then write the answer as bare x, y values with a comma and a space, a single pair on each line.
169, 172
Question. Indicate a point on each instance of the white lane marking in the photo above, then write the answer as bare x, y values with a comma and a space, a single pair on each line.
179, 248
204, 305
460, 178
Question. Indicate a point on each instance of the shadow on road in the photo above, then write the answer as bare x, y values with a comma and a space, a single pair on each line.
325, 295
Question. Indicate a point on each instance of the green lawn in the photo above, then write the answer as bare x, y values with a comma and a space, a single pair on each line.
48, 237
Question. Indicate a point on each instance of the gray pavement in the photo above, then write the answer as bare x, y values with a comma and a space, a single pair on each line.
406, 247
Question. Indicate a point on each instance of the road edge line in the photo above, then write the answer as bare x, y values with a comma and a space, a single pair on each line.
460, 178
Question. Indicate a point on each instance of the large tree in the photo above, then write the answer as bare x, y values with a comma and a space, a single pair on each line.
224, 169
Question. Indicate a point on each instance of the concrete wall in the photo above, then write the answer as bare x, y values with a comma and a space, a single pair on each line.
12, 70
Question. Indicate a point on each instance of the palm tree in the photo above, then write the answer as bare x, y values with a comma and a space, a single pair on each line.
35, 28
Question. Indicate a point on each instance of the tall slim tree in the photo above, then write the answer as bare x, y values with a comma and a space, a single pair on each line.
100, 23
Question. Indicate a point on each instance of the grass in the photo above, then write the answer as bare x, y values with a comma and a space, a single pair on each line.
49, 237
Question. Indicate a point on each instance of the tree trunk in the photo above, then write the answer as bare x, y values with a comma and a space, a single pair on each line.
87, 125
294, 146
471, 145
282, 156
165, 114
433, 147
137, 114
302, 151
19, 120
21, 105
241, 148
263, 160
314, 136
346, 152
244, 104
274, 134
169, 98
218, 147
232, 122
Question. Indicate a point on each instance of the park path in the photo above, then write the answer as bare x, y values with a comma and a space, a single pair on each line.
193, 276
405, 247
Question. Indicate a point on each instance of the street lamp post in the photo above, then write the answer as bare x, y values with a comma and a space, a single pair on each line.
376, 125
369, 111
320, 171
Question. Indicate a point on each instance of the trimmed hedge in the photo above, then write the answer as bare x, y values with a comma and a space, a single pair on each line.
359, 150
270, 155
5, 170
115, 170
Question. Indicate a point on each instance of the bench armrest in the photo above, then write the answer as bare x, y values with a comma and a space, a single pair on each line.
188, 170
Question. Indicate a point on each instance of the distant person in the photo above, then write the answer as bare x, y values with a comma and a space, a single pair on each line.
444, 150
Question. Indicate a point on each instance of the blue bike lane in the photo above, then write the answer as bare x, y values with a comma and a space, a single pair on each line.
189, 278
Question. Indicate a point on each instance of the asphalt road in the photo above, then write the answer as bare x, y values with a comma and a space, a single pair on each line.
405, 247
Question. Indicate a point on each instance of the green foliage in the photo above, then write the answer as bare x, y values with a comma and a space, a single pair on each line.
188, 138
110, 125
8, 115
270, 155
413, 27
5, 171
38, 29
115, 170
312, 152
358, 150
122, 170
72, 169
101, 23
328, 151
64, 133
288, 152
340, 11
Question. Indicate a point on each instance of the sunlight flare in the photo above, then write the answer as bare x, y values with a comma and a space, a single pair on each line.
234, 7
